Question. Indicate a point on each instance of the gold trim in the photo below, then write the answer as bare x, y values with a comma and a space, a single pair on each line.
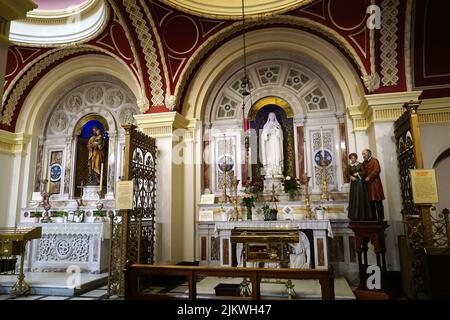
238, 15
88, 118
283, 104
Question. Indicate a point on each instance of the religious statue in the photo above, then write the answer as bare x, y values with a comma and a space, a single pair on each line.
358, 204
272, 146
374, 186
95, 147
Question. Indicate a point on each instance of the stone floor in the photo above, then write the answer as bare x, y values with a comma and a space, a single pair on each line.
96, 294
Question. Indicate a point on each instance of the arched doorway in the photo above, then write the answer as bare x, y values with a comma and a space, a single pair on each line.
442, 167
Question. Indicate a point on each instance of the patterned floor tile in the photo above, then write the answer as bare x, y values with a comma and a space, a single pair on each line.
54, 298
94, 293
28, 298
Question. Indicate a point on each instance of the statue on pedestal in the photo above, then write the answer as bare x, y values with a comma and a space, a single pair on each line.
272, 147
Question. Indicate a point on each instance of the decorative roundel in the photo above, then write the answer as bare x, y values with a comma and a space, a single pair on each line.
296, 79
227, 107
227, 161
55, 172
318, 157
315, 99
269, 75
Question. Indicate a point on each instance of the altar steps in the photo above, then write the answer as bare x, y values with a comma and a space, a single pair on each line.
55, 283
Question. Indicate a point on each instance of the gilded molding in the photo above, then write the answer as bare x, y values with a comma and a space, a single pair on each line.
160, 47
238, 15
121, 21
148, 48
13, 143
51, 57
194, 60
407, 47
85, 9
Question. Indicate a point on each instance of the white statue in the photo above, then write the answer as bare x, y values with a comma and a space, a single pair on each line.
272, 146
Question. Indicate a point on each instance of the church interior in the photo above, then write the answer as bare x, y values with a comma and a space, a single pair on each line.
253, 149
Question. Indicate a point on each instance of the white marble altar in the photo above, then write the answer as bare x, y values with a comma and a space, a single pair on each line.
64, 245
321, 229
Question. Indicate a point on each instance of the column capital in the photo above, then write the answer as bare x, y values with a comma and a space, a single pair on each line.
384, 107
163, 124
13, 143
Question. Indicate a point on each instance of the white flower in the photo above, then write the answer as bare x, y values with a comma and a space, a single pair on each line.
288, 178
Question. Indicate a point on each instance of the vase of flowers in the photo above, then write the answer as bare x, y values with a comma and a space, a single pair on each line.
248, 201
291, 186
255, 187
270, 214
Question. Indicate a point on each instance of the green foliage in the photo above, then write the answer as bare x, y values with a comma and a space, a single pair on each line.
98, 213
290, 184
59, 214
36, 214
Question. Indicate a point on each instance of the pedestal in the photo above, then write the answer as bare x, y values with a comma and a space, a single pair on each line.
91, 192
370, 232
273, 182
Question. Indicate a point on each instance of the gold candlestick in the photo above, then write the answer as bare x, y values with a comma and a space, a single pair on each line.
236, 215
325, 196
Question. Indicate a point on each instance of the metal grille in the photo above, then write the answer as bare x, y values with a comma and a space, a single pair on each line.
133, 235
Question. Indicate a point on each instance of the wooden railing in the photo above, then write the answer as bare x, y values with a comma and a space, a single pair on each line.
134, 275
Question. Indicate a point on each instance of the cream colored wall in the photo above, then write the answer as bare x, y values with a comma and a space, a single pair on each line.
435, 140
6, 169
443, 183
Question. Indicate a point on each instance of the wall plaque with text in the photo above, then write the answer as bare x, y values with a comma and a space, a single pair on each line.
424, 188
124, 195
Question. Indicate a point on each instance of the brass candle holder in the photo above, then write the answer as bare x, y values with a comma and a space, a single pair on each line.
45, 202
305, 183
325, 196
236, 215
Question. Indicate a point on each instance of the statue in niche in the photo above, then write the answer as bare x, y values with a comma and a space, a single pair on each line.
272, 146
96, 155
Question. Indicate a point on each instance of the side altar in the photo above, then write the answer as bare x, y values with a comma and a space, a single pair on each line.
64, 245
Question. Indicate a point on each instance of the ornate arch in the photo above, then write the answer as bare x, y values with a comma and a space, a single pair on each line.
307, 44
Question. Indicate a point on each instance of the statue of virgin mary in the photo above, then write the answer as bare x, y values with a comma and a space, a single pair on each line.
272, 146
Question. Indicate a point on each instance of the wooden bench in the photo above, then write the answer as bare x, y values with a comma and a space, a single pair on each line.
134, 274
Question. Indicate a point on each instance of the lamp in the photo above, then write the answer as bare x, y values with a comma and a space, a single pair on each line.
245, 84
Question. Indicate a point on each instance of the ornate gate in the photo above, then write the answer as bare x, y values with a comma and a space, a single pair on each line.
416, 218
133, 231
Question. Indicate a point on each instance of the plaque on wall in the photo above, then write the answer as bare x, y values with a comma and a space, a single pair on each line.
424, 188
124, 195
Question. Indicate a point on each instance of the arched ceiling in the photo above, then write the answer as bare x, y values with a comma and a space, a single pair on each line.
232, 9
57, 5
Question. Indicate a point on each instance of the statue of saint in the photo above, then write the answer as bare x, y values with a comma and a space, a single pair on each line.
95, 147
272, 146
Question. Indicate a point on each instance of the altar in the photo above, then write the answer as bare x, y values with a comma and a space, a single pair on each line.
69, 245
311, 252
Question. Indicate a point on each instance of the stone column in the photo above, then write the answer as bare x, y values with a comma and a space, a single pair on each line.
177, 143
375, 118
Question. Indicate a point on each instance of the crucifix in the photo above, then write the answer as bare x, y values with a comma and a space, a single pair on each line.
81, 195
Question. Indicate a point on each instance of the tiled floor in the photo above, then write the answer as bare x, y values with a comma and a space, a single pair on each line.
97, 294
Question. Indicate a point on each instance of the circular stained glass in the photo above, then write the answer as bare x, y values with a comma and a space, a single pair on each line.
55, 172
318, 157
226, 161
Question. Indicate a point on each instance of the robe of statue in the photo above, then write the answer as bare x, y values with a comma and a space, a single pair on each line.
272, 146
96, 154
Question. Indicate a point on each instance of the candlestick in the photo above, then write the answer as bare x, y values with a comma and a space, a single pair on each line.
321, 139
48, 179
101, 176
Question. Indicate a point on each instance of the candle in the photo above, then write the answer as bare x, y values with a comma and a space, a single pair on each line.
321, 139
101, 176
48, 180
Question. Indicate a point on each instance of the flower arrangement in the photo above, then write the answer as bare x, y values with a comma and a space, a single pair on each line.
291, 185
255, 186
270, 214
